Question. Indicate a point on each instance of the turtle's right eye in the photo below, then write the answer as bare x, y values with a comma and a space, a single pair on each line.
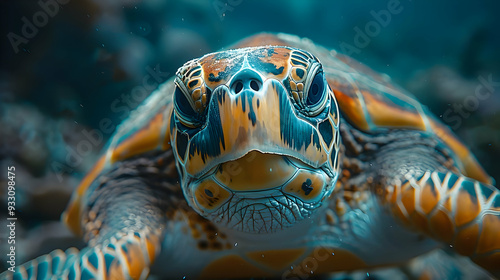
184, 109
316, 91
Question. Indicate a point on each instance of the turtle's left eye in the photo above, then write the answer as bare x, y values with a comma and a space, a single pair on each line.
316, 95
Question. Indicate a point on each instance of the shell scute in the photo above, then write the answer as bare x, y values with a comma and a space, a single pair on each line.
146, 129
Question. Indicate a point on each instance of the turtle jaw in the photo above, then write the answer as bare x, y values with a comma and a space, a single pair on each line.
258, 212
259, 192
263, 215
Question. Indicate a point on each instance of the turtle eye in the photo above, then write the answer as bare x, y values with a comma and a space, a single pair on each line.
183, 109
316, 94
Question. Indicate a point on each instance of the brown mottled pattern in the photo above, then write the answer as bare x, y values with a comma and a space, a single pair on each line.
206, 234
217, 68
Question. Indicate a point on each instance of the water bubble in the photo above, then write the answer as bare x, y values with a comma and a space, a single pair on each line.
235, 244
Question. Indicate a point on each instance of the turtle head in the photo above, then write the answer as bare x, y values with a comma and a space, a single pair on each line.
255, 137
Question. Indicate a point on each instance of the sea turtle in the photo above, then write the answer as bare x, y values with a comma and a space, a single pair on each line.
276, 158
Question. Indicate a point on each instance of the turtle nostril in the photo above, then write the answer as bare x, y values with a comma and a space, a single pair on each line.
238, 87
255, 85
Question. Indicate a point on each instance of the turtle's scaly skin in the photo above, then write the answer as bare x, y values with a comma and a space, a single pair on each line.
283, 159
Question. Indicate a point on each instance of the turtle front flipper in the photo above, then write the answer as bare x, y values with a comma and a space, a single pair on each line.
128, 257
122, 217
448, 207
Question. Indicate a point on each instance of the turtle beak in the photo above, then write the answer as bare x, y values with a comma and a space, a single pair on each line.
246, 120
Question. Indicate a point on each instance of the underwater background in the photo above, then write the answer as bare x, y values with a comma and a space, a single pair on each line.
72, 70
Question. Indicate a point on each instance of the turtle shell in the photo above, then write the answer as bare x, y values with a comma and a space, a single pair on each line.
367, 100
370, 102
146, 129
